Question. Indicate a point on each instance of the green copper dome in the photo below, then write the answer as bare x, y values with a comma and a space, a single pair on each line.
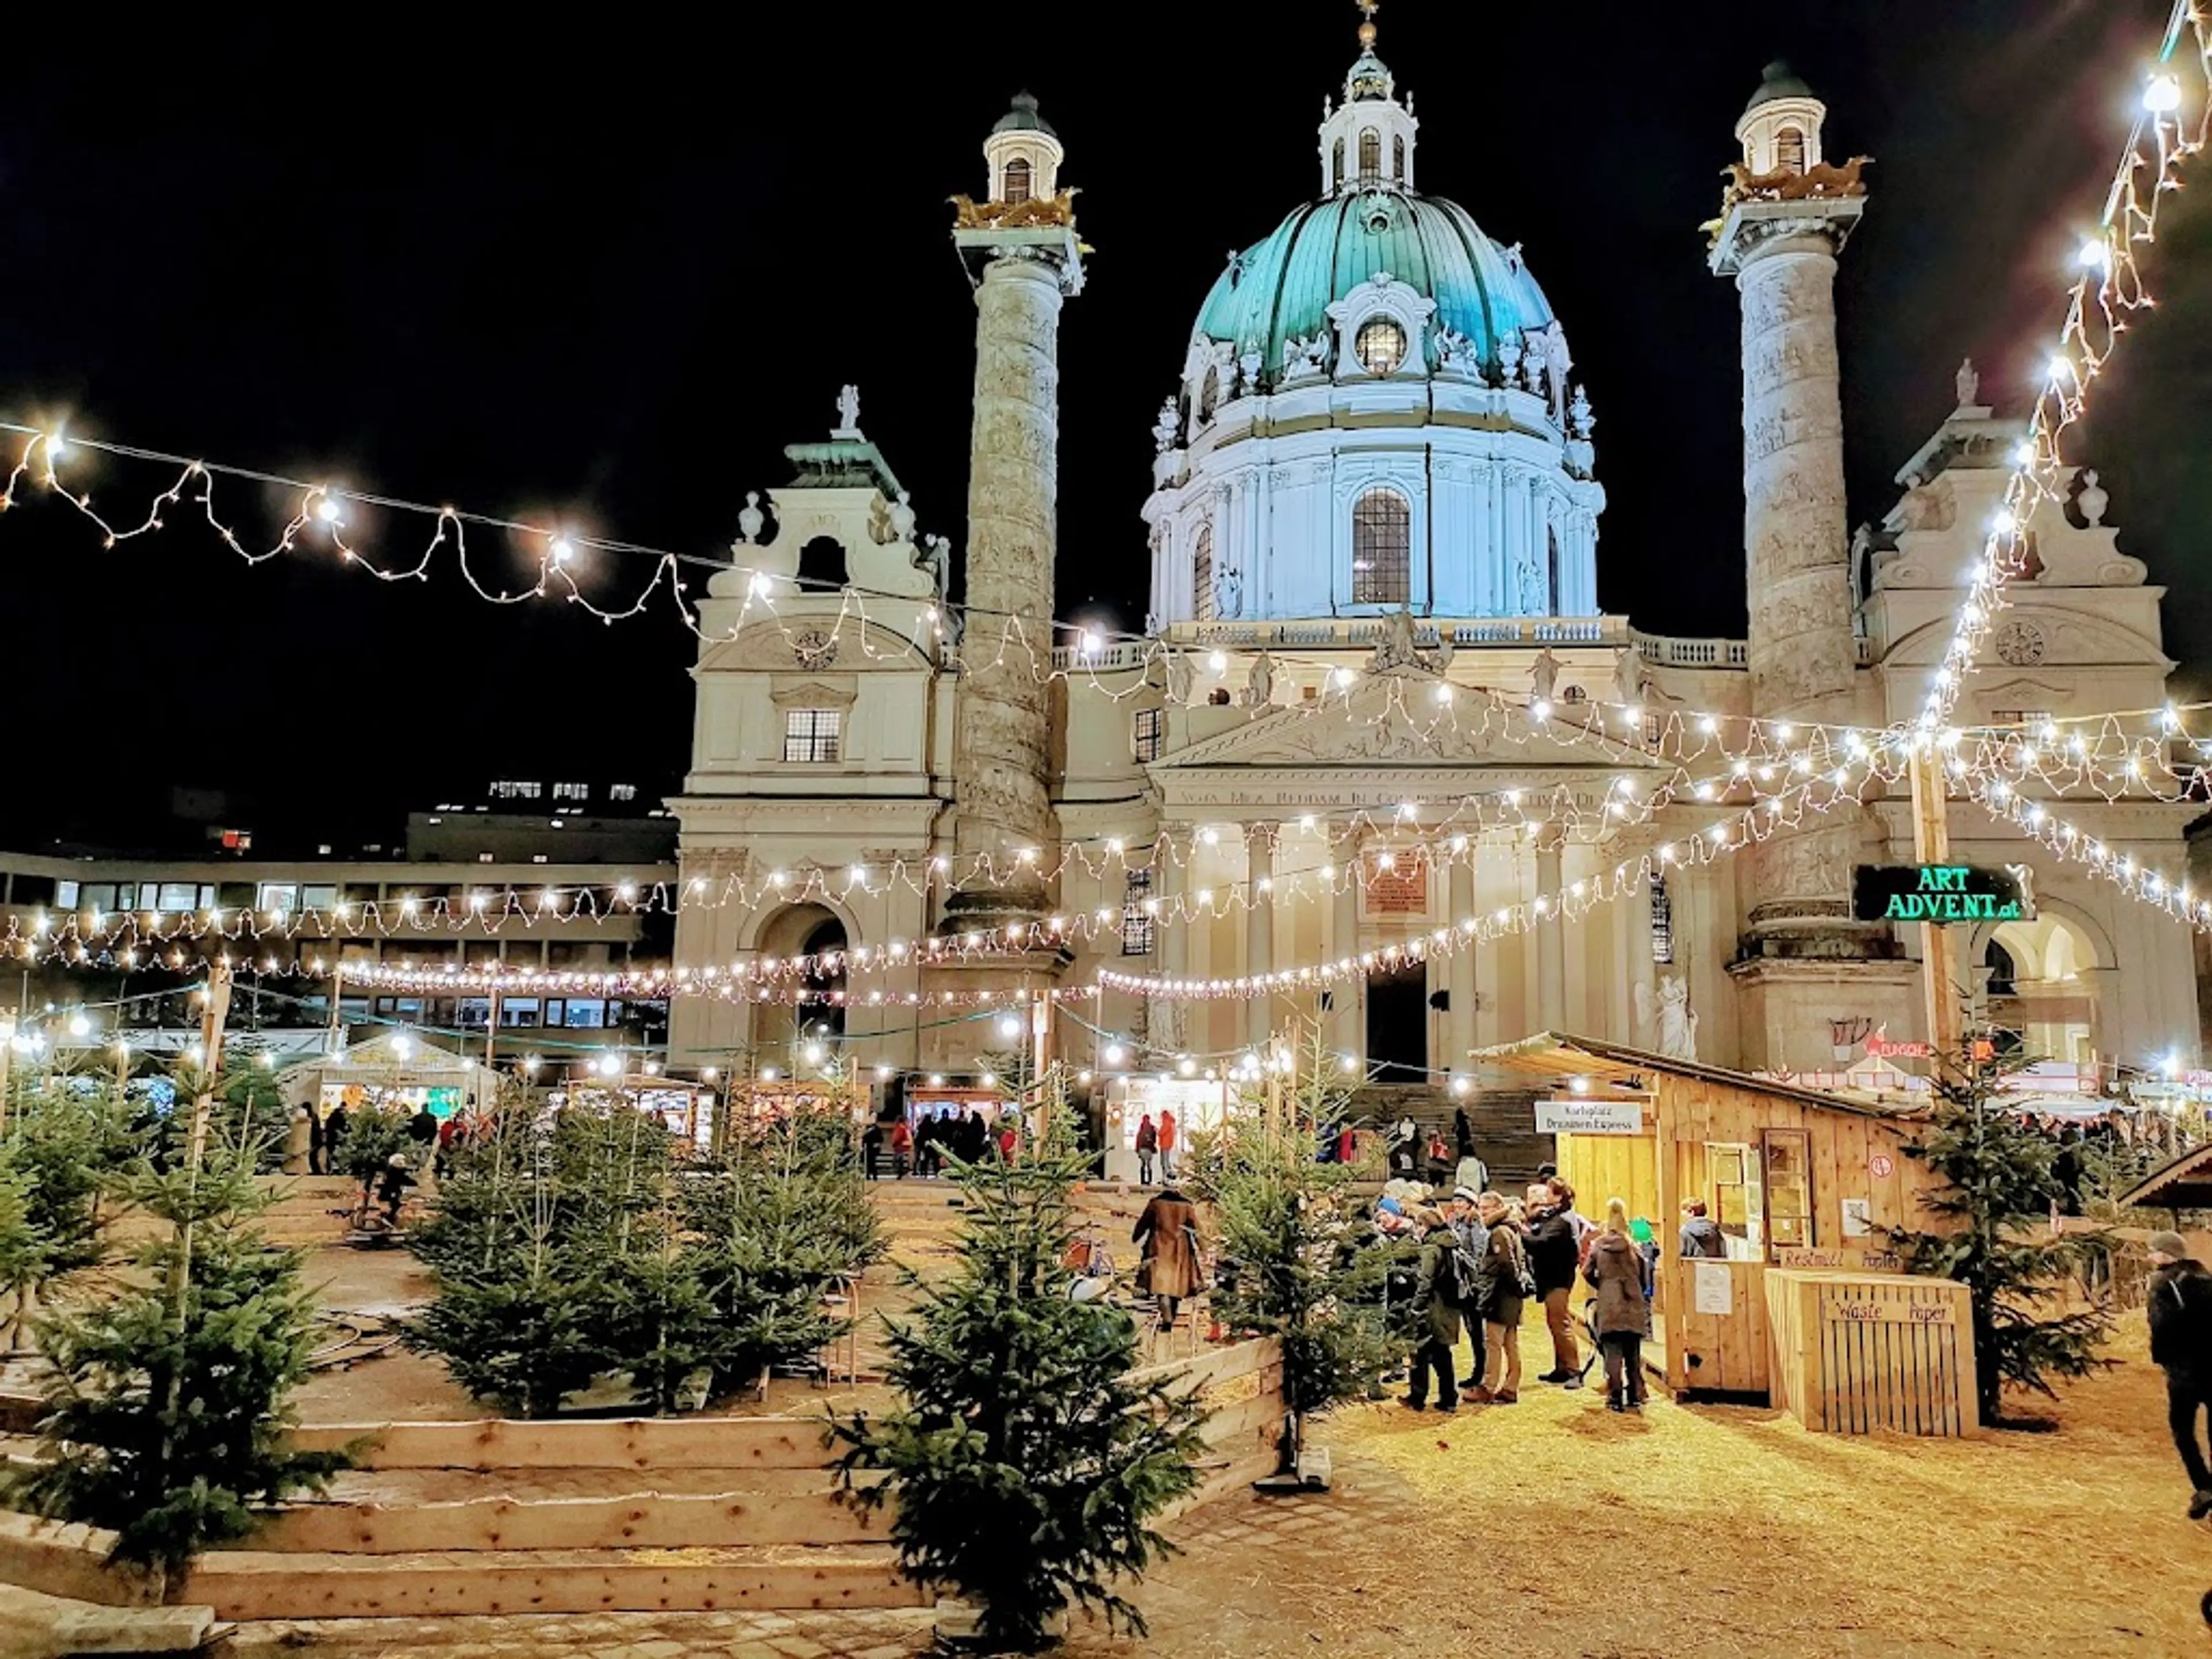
1281, 289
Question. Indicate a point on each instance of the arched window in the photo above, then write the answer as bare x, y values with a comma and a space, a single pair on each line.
2003, 976
1552, 572
1209, 394
1789, 150
1382, 548
821, 565
1201, 575
1336, 166
1398, 158
1018, 181
1371, 156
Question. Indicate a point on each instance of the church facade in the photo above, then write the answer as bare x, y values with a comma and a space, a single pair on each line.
1380, 755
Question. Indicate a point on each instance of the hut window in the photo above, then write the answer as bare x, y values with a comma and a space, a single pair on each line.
1789, 150
1788, 1187
1018, 181
1736, 1203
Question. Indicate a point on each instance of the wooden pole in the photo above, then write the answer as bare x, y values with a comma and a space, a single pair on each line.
8, 1029
1931, 844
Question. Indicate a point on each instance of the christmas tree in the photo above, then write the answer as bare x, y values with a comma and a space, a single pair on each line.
1300, 1260
166, 1417
1997, 1196
1026, 1465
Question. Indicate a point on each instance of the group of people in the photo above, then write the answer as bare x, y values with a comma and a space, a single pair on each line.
1483, 1257
1156, 1140
923, 1149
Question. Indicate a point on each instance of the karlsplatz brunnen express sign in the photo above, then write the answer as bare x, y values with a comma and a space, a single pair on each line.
1939, 893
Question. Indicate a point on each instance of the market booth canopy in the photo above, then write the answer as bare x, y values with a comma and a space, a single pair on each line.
2183, 1184
1802, 1185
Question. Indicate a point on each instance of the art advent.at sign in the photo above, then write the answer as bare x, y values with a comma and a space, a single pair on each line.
1940, 893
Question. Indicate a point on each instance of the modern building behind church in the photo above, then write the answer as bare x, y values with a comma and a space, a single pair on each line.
1359, 734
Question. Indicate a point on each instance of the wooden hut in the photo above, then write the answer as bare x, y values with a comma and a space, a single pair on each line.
1803, 1186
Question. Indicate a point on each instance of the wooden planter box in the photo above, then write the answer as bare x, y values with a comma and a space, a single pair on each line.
1849, 1352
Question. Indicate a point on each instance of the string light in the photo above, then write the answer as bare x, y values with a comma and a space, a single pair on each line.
2108, 288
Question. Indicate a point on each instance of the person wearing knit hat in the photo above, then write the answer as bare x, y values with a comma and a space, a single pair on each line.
2181, 1302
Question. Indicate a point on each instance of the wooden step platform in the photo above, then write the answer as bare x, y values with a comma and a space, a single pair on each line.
253, 1585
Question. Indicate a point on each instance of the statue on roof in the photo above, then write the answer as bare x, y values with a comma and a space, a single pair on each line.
848, 413
1969, 384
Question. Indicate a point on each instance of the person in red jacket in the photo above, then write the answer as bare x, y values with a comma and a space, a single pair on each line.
1168, 1146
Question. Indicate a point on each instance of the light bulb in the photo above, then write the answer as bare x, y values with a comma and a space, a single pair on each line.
1218, 662
328, 510
2060, 367
1010, 1026
79, 1025
1186, 1065
2163, 95
767, 1073
1091, 644
1347, 1063
562, 549
1341, 677
1113, 1053
2097, 254
813, 1054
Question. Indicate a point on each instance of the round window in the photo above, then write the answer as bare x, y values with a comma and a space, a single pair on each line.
1380, 346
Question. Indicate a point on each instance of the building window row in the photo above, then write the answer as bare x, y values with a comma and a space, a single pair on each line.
1382, 548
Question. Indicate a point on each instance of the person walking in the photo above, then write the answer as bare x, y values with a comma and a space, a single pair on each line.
1500, 1286
1701, 1238
1436, 1299
1168, 1230
902, 1145
1167, 1146
1148, 1147
1553, 1257
1621, 1313
2180, 1301
334, 1135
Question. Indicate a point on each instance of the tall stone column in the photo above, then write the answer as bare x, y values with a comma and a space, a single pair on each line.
1459, 973
1023, 257
1551, 948
1258, 926
1347, 1031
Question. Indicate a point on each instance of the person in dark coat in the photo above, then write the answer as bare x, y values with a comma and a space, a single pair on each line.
1498, 1288
1434, 1294
1148, 1147
1463, 1134
1554, 1254
1701, 1237
1169, 1231
2180, 1306
1466, 1219
334, 1134
1621, 1313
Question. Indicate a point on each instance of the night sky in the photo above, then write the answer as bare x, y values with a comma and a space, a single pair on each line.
612, 273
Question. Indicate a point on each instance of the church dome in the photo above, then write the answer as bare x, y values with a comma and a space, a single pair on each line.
1281, 289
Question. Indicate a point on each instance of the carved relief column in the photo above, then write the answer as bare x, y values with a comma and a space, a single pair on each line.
1259, 924
1170, 932
1781, 254
1002, 744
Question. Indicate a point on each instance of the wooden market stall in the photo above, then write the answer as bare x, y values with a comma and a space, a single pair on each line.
1803, 1185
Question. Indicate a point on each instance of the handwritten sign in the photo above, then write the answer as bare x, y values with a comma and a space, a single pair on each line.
1881, 1166
1881, 1310
1858, 1218
1712, 1289
1582, 1115
1845, 1260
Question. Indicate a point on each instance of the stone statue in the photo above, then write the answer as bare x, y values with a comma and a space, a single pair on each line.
848, 413
1166, 428
1969, 383
1441, 657
1543, 675
902, 518
1631, 679
2093, 499
1152, 624
750, 518
1228, 595
1178, 667
1248, 374
1397, 648
1580, 421
1666, 1023
938, 555
1508, 358
1530, 585
1259, 682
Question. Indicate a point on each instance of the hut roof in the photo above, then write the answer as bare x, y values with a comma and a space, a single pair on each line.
2186, 1183
1550, 1053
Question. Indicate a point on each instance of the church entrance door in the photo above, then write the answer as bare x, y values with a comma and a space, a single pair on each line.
1398, 1024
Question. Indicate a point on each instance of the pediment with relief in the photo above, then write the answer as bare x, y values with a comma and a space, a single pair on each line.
1373, 731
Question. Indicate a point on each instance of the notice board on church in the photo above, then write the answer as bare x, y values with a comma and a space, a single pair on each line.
1397, 887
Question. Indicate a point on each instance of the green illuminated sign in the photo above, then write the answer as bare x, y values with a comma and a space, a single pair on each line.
1940, 893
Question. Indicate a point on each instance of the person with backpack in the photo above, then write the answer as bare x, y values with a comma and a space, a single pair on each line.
1148, 1147
2179, 1299
1474, 1238
1437, 1298
1502, 1285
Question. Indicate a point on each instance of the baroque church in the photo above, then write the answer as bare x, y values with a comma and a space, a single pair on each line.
1379, 755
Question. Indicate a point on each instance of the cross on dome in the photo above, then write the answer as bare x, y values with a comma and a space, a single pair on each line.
1367, 142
